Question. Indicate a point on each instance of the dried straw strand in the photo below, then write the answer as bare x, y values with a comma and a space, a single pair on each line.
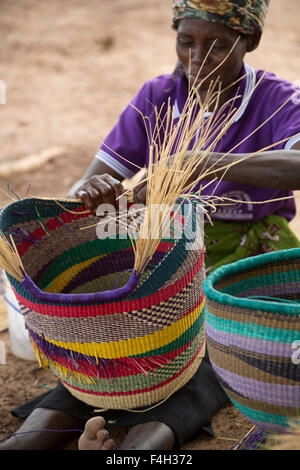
10, 260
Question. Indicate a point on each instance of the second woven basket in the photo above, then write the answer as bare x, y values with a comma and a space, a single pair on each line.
253, 335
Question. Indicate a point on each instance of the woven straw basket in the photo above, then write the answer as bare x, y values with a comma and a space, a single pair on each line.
253, 333
112, 347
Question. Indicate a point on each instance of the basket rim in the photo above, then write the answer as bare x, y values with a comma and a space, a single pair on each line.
85, 298
243, 265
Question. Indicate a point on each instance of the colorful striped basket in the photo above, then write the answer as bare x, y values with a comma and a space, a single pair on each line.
112, 347
253, 335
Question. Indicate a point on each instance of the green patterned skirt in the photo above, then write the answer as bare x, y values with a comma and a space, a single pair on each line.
227, 242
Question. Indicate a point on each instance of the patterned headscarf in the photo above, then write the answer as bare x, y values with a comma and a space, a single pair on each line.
245, 16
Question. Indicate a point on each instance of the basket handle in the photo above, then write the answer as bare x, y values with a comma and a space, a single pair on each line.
89, 298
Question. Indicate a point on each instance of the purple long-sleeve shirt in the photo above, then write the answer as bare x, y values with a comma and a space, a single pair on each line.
126, 148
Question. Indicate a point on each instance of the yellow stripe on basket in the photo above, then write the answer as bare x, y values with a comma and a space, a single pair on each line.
64, 278
140, 345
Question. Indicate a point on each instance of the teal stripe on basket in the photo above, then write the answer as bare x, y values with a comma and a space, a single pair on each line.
244, 265
160, 275
172, 262
264, 417
262, 281
251, 329
27, 207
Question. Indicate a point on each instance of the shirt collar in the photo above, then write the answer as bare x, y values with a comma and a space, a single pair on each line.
246, 87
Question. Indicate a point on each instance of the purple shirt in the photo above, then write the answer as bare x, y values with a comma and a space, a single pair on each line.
126, 148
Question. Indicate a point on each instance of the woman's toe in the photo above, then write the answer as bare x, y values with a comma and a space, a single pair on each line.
94, 435
108, 445
93, 426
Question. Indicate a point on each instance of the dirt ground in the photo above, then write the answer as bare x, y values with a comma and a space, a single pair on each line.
69, 68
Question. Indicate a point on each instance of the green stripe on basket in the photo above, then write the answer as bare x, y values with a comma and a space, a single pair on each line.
183, 339
262, 281
79, 254
172, 262
264, 417
161, 274
137, 381
27, 205
251, 329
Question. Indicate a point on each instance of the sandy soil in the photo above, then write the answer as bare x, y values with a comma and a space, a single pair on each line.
69, 68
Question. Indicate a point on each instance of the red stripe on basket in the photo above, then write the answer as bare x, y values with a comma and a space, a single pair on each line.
143, 390
123, 367
115, 307
51, 225
93, 371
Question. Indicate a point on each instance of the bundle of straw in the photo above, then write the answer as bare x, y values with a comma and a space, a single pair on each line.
10, 260
175, 161
180, 161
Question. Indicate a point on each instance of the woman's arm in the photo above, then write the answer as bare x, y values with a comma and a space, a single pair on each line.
279, 169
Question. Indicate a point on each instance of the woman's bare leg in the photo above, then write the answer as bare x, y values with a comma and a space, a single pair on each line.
42, 418
153, 435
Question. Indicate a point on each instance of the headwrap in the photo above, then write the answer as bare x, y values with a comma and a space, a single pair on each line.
245, 16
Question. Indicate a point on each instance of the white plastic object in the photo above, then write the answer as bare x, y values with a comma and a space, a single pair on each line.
19, 339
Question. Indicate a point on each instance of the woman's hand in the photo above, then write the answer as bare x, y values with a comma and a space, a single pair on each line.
139, 191
99, 189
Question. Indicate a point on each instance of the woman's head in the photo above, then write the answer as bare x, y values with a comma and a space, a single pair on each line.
210, 31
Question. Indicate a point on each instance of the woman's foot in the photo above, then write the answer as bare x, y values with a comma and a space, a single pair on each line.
95, 437
152, 435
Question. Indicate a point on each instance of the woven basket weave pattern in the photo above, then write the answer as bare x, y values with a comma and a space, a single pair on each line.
121, 353
253, 320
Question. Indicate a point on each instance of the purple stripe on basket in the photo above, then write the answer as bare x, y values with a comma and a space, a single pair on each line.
274, 290
259, 346
47, 266
90, 298
272, 427
273, 394
89, 364
115, 262
55, 352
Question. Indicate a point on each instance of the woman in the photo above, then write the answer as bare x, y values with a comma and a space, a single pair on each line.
208, 32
